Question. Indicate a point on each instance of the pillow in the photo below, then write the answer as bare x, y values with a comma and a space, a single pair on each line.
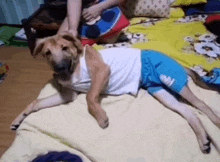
176, 12
187, 2
107, 26
147, 8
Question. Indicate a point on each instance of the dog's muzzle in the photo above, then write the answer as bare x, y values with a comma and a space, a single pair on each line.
61, 67
65, 68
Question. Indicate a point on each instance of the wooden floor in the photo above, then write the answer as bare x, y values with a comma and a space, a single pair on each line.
25, 79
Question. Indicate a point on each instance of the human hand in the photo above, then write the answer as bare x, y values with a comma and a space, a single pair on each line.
73, 32
92, 12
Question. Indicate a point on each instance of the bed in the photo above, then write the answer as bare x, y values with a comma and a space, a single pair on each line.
140, 129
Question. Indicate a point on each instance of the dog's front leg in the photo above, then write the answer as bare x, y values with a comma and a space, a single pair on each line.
95, 109
38, 104
100, 73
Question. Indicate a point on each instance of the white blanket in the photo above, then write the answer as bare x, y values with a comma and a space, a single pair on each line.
140, 130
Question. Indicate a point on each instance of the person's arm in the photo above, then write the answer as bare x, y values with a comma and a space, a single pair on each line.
74, 10
95, 10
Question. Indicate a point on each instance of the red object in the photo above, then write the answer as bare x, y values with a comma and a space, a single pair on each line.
88, 41
122, 23
212, 18
213, 25
7, 67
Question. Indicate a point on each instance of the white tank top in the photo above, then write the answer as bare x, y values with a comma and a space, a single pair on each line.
125, 64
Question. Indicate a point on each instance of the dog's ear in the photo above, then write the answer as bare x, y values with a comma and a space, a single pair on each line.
76, 42
38, 48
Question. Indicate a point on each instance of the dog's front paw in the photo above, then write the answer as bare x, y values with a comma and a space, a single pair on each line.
100, 116
18, 120
103, 122
14, 127
206, 148
16, 123
205, 145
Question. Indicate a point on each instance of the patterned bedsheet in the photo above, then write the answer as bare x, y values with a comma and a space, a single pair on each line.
185, 39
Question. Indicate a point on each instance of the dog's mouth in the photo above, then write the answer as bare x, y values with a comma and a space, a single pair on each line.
66, 68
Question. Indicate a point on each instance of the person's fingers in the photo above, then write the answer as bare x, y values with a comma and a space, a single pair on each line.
88, 18
91, 21
84, 12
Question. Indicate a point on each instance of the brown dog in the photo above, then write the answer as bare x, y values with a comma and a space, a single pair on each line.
63, 53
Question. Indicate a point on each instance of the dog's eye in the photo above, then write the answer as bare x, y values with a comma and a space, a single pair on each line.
48, 53
65, 48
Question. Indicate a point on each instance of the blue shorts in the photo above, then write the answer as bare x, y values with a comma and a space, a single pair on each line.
161, 72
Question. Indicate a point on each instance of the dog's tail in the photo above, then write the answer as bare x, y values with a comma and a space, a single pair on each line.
198, 80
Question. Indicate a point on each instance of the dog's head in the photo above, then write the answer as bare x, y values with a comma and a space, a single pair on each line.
61, 51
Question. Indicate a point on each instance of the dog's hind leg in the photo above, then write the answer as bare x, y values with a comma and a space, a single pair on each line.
196, 102
172, 103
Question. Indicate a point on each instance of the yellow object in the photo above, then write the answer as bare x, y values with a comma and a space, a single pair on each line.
187, 2
176, 12
168, 36
3, 69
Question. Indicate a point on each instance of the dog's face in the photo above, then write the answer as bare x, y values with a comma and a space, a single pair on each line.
61, 52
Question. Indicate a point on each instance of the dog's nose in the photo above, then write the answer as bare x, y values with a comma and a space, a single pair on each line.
61, 67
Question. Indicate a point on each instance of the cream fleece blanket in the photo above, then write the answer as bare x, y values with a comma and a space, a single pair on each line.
140, 130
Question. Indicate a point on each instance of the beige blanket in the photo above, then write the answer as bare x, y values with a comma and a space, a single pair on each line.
140, 130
